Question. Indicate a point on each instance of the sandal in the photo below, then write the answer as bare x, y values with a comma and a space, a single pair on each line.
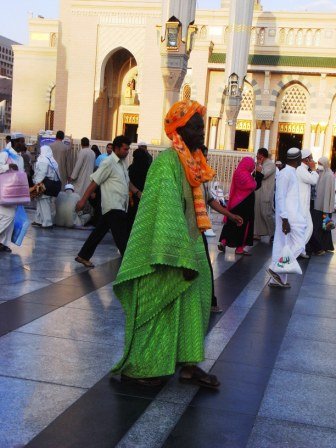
148, 382
243, 252
216, 309
86, 263
198, 377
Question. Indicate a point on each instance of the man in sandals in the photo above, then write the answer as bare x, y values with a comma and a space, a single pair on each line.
290, 225
164, 282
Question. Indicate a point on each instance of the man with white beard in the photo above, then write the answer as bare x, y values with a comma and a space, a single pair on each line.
307, 177
290, 225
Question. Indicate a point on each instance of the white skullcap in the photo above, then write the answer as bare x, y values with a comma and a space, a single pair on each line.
16, 135
69, 187
142, 144
305, 153
293, 153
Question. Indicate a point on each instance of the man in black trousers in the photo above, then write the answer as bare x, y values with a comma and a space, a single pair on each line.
112, 177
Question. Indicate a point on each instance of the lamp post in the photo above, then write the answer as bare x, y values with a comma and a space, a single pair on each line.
177, 32
49, 119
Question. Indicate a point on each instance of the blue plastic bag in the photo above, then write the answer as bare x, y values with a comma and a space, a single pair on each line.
21, 224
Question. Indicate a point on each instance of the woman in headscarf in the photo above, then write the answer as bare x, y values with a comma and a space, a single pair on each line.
241, 202
164, 283
324, 206
46, 166
137, 173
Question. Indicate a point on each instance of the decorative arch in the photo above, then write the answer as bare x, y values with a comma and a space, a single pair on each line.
290, 38
285, 82
106, 59
261, 36
203, 32
256, 89
53, 40
299, 38
189, 84
282, 36
116, 106
309, 38
330, 97
317, 38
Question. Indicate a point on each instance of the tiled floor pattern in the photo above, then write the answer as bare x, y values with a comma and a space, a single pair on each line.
273, 351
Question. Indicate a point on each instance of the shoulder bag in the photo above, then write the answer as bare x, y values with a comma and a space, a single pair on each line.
52, 187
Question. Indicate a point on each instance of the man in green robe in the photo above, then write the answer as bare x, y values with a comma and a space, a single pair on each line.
164, 283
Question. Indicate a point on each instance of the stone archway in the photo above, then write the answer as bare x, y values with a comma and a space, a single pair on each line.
292, 118
116, 109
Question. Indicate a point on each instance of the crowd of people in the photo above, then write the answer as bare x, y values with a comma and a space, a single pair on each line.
157, 214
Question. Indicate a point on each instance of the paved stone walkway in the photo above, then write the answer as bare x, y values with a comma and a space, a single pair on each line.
61, 330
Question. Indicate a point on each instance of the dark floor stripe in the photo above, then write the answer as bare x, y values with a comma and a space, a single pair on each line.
229, 285
225, 419
102, 416
23, 310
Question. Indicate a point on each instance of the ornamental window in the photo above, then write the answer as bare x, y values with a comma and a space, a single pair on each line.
247, 103
294, 101
186, 95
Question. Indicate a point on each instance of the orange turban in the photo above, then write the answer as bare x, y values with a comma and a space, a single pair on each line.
195, 167
179, 115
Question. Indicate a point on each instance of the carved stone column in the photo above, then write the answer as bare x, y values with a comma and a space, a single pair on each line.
213, 132
313, 131
268, 124
322, 129
258, 136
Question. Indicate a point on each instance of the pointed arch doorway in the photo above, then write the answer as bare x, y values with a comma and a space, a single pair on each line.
118, 99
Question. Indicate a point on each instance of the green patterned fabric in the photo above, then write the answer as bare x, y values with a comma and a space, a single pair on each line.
166, 316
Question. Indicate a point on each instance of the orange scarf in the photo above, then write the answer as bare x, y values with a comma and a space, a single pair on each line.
197, 171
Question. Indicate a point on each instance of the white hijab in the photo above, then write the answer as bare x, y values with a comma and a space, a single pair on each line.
46, 156
325, 189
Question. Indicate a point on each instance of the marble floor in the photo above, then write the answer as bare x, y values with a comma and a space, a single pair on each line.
62, 328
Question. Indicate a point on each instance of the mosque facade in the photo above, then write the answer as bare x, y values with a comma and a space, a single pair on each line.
96, 72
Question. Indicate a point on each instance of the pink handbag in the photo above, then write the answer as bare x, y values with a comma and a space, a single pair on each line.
14, 188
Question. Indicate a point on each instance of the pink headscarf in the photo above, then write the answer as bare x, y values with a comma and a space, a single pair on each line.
243, 184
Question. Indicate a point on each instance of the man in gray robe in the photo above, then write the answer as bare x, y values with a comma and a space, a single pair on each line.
264, 224
80, 176
60, 152
66, 215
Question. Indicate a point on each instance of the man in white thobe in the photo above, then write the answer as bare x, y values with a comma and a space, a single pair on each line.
290, 225
80, 176
9, 159
307, 177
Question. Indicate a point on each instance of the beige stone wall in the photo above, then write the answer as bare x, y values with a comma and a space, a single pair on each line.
64, 38
34, 74
34, 71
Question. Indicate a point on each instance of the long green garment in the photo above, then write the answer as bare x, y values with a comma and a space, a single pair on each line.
166, 316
